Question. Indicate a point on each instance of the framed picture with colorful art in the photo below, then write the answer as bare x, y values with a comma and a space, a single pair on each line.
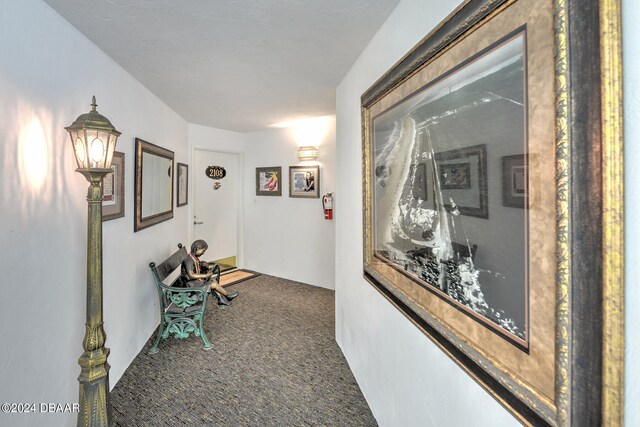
527, 301
269, 181
113, 189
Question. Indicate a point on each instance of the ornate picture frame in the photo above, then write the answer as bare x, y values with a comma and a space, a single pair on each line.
269, 181
304, 182
552, 353
113, 189
182, 183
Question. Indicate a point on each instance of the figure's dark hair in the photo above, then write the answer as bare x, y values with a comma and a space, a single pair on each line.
199, 244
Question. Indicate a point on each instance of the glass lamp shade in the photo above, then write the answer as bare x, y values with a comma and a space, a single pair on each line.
307, 153
93, 138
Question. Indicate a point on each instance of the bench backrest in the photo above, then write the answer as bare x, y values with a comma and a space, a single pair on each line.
169, 265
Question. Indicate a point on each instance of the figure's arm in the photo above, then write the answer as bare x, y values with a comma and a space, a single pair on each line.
190, 269
193, 275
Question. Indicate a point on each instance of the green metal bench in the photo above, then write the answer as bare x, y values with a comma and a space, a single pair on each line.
181, 308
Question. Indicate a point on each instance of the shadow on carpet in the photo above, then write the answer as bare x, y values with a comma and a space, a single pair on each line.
275, 362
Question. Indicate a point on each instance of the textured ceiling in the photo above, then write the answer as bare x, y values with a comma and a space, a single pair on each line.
240, 65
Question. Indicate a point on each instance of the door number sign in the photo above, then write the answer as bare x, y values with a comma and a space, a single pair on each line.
216, 172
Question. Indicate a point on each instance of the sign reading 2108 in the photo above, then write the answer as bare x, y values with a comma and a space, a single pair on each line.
216, 172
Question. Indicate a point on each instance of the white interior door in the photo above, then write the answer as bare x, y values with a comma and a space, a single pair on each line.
216, 210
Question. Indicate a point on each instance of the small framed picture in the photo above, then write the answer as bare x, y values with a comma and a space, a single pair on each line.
514, 181
455, 176
269, 181
113, 189
304, 181
182, 178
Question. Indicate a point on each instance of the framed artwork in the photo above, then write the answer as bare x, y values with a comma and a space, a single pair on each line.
462, 180
183, 184
113, 189
504, 294
455, 176
269, 181
514, 181
304, 181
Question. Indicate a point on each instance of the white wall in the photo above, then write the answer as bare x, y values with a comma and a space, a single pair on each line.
216, 139
405, 378
631, 59
288, 237
48, 73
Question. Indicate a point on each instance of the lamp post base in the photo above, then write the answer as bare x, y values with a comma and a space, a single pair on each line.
95, 408
94, 398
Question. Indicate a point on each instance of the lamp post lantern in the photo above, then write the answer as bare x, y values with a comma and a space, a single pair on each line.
94, 138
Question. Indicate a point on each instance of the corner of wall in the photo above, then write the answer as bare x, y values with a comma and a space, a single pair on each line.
292, 223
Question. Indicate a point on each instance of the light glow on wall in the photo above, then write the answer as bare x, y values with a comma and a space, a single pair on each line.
33, 154
308, 132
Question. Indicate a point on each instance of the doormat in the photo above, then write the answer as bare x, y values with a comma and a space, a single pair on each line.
237, 276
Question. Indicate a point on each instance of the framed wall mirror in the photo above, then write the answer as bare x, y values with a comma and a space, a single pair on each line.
154, 185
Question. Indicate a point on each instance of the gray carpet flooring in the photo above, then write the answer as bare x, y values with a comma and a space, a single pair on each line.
275, 362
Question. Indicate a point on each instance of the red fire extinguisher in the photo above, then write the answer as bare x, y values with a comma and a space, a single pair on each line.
327, 205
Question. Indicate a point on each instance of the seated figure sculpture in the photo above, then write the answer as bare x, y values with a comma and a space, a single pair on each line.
194, 269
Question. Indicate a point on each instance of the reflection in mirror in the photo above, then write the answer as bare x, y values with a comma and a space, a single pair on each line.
156, 179
154, 184
451, 188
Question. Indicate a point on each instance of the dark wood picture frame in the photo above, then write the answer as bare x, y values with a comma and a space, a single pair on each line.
314, 193
144, 221
589, 329
463, 156
113, 189
272, 186
182, 186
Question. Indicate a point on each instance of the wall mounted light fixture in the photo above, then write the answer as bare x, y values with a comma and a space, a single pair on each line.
308, 153
94, 138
